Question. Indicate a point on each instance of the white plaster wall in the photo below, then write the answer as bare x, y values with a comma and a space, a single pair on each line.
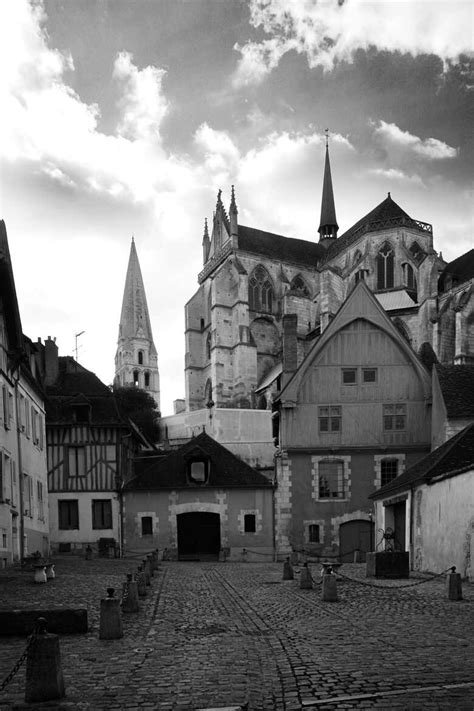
447, 521
85, 533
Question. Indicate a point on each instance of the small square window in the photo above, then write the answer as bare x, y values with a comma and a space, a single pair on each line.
369, 375
349, 376
330, 419
394, 417
249, 523
198, 472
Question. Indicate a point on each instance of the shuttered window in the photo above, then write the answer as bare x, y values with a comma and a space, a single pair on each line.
68, 514
101, 513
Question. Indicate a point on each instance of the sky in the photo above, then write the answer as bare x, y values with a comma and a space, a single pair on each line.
125, 117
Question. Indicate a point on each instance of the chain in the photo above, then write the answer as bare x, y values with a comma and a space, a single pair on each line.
20, 661
393, 587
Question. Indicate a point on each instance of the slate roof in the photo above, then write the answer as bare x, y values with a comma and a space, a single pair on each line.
385, 212
453, 457
460, 270
457, 386
280, 248
170, 471
77, 386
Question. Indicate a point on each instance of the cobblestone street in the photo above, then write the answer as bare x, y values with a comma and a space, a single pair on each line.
216, 635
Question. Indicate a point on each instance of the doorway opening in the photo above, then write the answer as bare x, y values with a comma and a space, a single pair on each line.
354, 536
199, 535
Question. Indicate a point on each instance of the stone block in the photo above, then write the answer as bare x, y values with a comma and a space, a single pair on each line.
388, 564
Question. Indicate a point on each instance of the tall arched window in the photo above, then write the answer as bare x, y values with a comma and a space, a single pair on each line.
260, 290
409, 278
208, 346
208, 392
147, 379
385, 267
140, 357
135, 378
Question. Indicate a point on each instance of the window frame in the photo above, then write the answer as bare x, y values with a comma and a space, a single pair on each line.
391, 418
387, 477
311, 528
72, 506
369, 370
349, 371
337, 493
150, 519
250, 523
333, 415
104, 506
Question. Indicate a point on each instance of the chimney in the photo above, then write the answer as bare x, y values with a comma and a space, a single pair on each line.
290, 345
51, 361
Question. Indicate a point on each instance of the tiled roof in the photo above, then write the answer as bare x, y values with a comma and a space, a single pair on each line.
457, 386
453, 457
278, 247
77, 386
170, 472
391, 300
460, 270
386, 215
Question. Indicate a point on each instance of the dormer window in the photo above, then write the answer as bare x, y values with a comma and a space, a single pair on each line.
198, 471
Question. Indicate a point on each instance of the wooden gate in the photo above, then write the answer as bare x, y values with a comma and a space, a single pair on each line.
357, 535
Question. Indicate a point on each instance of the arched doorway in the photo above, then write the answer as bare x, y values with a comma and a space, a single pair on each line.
199, 535
355, 535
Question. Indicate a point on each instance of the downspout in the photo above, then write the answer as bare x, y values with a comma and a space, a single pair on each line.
20, 469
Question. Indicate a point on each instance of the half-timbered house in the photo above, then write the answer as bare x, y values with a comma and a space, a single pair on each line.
89, 449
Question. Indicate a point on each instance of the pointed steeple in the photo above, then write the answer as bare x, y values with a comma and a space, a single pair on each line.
136, 361
233, 213
205, 242
328, 226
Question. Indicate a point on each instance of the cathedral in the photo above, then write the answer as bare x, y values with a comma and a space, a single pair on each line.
252, 279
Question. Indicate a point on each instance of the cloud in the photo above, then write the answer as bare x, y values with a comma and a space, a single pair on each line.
396, 140
395, 175
331, 31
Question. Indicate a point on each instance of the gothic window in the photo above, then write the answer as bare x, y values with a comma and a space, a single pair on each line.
135, 378
208, 392
415, 249
260, 290
298, 284
140, 357
409, 278
360, 275
357, 256
147, 379
385, 267
208, 346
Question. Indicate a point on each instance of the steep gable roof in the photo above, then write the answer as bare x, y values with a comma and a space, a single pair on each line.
283, 249
8, 294
361, 303
453, 457
460, 270
171, 471
385, 215
457, 387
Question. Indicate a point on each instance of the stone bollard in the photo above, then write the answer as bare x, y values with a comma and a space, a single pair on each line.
141, 582
306, 581
50, 573
110, 626
146, 571
151, 567
454, 585
329, 586
154, 559
130, 595
40, 573
288, 570
44, 674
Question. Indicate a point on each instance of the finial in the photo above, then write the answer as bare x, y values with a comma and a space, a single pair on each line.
233, 205
389, 195
219, 193
206, 231
133, 238
326, 131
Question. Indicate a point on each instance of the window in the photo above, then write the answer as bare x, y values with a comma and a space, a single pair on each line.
10, 408
147, 526
249, 523
81, 413
34, 425
101, 513
409, 278
388, 470
1, 475
260, 291
385, 267
39, 495
135, 378
349, 376
330, 419
369, 375
298, 284
208, 346
197, 471
4, 537
147, 379
394, 417
6, 416
68, 514
27, 419
77, 461
140, 357
313, 533
361, 275
331, 479
27, 495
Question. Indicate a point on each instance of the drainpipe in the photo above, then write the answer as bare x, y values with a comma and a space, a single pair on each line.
20, 469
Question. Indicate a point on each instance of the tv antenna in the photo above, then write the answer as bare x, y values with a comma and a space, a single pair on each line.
76, 349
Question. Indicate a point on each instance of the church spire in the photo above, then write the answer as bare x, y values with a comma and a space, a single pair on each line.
205, 242
233, 214
136, 360
328, 226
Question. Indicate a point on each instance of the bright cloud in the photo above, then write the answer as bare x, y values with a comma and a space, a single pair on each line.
392, 174
330, 31
392, 137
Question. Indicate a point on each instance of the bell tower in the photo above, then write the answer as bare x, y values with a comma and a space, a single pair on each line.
136, 359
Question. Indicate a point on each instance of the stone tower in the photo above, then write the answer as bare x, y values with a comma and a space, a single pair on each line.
136, 360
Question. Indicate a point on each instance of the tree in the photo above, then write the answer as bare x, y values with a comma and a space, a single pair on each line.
140, 407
